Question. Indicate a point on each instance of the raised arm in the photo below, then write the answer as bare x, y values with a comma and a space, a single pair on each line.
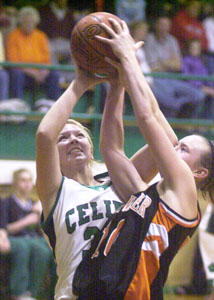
112, 145
49, 176
143, 159
173, 169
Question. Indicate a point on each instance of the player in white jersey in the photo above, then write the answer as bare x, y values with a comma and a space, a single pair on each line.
80, 212
75, 203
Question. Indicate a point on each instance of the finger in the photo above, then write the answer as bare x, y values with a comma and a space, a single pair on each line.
138, 45
108, 29
116, 25
102, 39
124, 26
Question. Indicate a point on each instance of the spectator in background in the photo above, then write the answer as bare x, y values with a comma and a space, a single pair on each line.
193, 65
57, 21
4, 242
208, 24
29, 254
27, 44
186, 25
8, 20
4, 77
131, 10
176, 97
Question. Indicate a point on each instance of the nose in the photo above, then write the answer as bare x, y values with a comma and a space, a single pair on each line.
73, 139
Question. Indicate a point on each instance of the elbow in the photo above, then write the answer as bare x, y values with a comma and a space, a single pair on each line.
43, 136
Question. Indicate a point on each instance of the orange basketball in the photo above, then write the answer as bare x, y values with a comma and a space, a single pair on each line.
88, 52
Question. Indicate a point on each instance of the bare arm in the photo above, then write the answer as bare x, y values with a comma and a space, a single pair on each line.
173, 169
29, 220
4, 242
112, 145
49, 175
143, 159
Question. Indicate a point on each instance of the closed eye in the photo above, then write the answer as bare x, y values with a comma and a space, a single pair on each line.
61, 138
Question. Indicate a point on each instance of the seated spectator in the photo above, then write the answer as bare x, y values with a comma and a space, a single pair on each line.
131, 10
186, 25
4, 242
8, 19
27, 44
29, 253
193, 65
58, 27
208, 24
177, 98
4, 77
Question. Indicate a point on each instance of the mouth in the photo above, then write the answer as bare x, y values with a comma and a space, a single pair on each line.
74, 150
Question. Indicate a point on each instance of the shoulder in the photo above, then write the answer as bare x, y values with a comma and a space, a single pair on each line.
40, 33
172, 39
150, 37
14, 33
208, 22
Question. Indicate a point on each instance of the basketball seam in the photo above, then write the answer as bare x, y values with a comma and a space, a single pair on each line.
85, 41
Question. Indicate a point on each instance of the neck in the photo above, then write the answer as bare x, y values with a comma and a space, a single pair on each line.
22, 197
81, 175
161, 37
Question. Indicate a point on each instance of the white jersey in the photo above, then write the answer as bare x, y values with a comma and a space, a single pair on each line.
78, 213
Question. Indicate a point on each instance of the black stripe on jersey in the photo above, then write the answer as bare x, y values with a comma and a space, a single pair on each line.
48, 225
180, 216
101, 175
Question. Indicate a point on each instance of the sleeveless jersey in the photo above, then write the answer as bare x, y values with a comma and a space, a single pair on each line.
78, 214
132, 258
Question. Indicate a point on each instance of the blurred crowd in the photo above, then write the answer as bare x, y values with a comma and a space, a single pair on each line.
25, 257
179, 39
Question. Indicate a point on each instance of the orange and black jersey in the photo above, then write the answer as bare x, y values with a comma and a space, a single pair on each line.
131, 259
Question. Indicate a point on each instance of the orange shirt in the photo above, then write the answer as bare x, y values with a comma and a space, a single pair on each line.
33, 48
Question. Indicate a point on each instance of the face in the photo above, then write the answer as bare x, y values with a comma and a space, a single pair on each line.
195, 48
194, 9
190, 149
140, 32
163, 26
28, 24
24, 183
73, 146
61, 3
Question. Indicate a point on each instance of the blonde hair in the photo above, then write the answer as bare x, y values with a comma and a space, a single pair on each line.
17, 173
94, 163
28, 11
84, 129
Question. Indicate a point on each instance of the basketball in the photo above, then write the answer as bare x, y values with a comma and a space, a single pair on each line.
88, 52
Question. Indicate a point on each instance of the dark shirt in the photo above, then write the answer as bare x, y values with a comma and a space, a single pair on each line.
3, 213
16, 210
194, 66
54, 27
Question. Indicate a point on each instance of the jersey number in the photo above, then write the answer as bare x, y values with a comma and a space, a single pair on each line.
89, 234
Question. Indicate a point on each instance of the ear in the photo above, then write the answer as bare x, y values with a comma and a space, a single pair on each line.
92, 154
201, 173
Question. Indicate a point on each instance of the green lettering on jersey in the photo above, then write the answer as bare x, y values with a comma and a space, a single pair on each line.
117, 204
83, 219
70, 228
108, 208
95, 215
